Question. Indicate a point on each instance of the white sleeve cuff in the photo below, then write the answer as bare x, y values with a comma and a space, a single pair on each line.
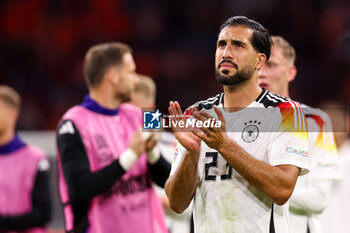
127, 159
153, 156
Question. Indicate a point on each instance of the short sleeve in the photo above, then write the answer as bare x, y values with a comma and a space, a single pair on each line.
324, 159
177, 158
288, 144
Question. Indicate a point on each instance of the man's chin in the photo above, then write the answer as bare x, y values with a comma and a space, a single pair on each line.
230, 80
226, 73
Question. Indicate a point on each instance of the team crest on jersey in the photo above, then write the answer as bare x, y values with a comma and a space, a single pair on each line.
251, 131
104, 152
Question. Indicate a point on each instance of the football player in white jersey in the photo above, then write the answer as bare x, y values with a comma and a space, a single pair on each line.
311, 193
241, 174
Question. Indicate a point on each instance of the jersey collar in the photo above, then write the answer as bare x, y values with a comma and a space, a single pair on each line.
13, 145
258, 99
95, 107
261, 96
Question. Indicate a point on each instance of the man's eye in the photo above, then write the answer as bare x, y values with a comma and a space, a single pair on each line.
239, 45
221, 44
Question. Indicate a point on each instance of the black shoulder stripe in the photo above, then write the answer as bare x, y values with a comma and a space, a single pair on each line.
209, 103
272, 100
206, 104
278, 97
261, 96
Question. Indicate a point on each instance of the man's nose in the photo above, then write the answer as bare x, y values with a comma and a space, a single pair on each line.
227, 53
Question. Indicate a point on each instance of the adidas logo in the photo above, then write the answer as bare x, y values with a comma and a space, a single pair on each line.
67, 127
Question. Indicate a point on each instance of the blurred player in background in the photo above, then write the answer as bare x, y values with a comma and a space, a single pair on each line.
311, 193
144, 96
144, 93
105, 167
335, 218
25, 200
240, 175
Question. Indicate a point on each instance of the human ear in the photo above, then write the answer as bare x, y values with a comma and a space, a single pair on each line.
292, 72
112, 76
261, 59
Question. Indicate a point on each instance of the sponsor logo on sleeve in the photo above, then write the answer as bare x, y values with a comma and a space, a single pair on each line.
295, 151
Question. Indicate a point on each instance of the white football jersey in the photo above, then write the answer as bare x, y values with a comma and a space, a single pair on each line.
336, 216
271, 129
324, 165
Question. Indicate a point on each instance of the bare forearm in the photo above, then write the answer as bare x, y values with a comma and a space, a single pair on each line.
181, 187
273, 181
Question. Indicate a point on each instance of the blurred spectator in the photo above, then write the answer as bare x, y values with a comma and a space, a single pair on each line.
25, 203
42, 43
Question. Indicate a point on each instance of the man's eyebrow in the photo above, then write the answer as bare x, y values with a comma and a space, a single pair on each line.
238, 42
221, 41
232, 41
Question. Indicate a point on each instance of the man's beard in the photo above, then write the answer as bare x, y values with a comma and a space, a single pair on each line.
238, 78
